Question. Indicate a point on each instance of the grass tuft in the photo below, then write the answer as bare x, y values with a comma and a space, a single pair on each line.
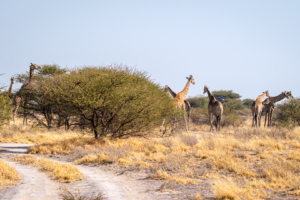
62, 172
8, 174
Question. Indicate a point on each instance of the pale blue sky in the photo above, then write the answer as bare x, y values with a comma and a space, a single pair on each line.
244, 46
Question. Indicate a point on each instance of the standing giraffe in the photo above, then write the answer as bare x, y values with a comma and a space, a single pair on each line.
215, 108
258, 106
187, 104
12, 81
17, 99
180, 96
268, 105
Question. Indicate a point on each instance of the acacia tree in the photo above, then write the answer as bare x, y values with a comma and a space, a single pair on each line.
114, 100
38, 103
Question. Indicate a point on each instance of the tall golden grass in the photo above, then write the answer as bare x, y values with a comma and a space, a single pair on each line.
8, 174
248, 161
61, 172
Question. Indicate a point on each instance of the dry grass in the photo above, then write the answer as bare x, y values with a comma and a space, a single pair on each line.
19, 133
62, 172
243, 163
67, 195
8, 174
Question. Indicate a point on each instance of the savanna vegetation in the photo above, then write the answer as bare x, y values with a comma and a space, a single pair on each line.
8, 174
123, 109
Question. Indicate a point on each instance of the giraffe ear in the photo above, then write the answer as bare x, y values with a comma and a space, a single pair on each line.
187, 77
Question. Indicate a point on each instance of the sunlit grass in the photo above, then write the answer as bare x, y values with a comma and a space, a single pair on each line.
8, 174
61, 172
242, 162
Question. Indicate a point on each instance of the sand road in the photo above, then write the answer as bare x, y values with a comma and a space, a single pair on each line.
36, 184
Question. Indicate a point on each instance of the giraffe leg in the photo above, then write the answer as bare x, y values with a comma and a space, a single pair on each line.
270, 119
186, 125
162, 125
259, 119
219, 122
210, 121
188, 121
15, 112
266, 117
255, 120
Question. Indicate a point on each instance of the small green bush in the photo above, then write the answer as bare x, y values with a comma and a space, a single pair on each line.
288, 113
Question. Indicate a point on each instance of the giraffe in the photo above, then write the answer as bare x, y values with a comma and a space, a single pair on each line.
17, 99
268, 105
215, 108
187, 104
12, 81
258, 106
180, 96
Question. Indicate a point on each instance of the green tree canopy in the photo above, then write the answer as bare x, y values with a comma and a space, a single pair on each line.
233, 104
198, 101
113, 100
288, 112
46, 71
223, 95
248, 102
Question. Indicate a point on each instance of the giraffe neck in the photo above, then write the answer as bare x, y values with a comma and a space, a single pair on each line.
31, 74
277, 98
261, 97
171, 91
210, 96
10, 87
184, 92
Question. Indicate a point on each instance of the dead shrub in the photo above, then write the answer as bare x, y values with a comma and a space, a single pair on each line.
276, 133
115, 153
167, 142
189, 140
233, 120
111, 152
67, 195
7, 134
199, 116
174, 162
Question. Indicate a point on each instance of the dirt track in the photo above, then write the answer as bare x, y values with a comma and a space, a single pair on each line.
36, 184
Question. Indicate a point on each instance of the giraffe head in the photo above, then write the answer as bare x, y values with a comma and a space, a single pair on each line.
285, 94
191, 79
12, 79
205, 89
34, 66
267, 93
290, 94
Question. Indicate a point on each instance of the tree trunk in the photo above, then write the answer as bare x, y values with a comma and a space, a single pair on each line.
96, 133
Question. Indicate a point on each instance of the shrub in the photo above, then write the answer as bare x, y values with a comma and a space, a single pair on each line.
67, 195
223, 95
248, 102
199, 116
231, 118
112, 100
198, 102
5, 109
189, 140
288, 113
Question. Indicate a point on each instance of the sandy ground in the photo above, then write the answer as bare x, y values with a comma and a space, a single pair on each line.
36, 184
